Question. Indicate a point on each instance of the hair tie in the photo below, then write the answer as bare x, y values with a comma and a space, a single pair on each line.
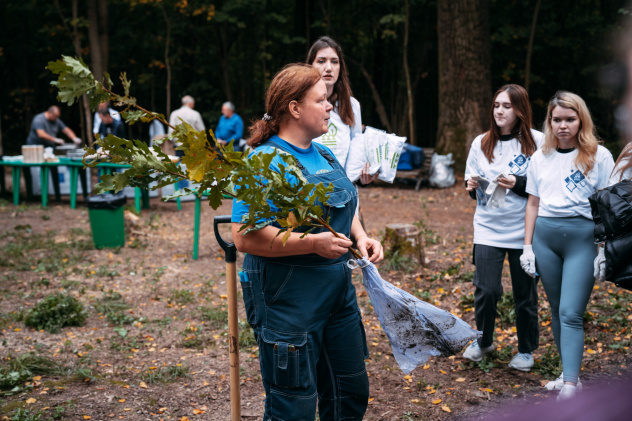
266, 117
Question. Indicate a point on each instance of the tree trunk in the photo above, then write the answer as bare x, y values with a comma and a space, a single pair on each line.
167, 62
527, 71
85, 114
464, 75
409, 89
104, 37
96, 57
379, 104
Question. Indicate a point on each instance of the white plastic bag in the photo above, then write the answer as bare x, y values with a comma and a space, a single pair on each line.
356, 158
393, 146
416, 329
373, 148
441, 172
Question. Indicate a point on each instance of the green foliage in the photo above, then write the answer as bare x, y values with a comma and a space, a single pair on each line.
16, 371
22, 414
549, 365
218, 169
54, 312
397, 261
506, 308
216, 316
113, 306
165, 374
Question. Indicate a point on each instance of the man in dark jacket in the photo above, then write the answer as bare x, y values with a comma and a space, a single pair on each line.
109, 125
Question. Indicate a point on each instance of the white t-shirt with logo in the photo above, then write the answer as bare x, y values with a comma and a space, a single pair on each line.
339, 136
500, 227
562, 188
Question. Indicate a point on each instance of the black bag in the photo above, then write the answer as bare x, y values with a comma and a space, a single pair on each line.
612, 212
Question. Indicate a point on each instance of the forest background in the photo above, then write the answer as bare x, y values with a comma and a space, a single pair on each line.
422, 67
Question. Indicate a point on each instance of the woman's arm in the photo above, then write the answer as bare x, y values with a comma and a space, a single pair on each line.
366, 246
533, 203
265, 243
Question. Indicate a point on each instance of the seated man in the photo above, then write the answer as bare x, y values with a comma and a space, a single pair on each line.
109, 125
97, 117
230, 126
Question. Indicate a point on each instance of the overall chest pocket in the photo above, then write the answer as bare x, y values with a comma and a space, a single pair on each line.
338, 199
286, 359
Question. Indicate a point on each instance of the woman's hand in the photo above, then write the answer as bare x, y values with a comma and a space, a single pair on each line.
507, 182
329, 246
471, 185
365, 177
371, 248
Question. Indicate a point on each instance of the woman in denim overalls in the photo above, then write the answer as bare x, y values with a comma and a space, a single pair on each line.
299, 297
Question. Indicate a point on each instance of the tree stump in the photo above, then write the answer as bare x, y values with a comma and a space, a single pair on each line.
405, 239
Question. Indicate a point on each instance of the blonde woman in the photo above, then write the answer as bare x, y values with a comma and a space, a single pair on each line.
559, 228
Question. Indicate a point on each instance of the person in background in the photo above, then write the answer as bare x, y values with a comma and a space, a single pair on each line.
230, 127
96, 125
109, 125
346, 118
569, 168
186, 114
505, 151
45, 128
299, 298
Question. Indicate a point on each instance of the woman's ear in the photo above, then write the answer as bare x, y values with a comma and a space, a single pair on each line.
295, 109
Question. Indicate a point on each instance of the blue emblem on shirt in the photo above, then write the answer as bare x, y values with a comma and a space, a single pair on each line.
575, 180
519, 163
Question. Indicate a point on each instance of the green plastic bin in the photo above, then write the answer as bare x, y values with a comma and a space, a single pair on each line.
106, 220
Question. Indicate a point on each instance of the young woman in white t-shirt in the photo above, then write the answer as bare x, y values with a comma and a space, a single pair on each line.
503, 155
559, 228
345, 120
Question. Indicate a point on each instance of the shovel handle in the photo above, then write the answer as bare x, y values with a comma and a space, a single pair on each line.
230, 251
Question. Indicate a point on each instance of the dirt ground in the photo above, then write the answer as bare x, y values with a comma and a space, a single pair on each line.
154, 345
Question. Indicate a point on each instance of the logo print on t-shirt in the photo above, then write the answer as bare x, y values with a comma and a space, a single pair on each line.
329, 138
519, 163
575, 180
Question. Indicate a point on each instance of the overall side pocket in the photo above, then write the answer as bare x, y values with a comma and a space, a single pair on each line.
287, 359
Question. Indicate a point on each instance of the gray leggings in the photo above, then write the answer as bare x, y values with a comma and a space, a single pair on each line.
564, 254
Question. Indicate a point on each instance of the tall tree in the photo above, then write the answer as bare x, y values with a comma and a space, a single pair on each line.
98, 36
464, 75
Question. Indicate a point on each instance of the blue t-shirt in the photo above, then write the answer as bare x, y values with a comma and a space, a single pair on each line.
230, 128
310, 158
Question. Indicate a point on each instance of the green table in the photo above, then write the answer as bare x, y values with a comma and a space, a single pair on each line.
74, 166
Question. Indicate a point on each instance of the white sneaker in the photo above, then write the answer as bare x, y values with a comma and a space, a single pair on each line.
475, 353
568, 391
558, 383
522, 361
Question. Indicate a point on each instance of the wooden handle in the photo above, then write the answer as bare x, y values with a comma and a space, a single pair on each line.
233, 342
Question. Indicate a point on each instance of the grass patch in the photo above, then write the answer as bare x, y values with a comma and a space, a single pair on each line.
54, 312
115, 309
549, 365
165, 374
181, 296
15, 372
217, 317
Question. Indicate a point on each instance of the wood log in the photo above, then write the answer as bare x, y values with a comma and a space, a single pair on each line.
405, 239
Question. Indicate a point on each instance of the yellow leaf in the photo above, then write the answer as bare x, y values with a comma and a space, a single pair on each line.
371, 399
198, 411
121, 400
446, 408
31, 400
127, 409
426, 367
436, 401
87, 417
183, 419
442, 372
460, 379
414, 400
142, 385
408, 377
37, 378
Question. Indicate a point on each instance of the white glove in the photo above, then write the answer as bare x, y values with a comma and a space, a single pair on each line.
527, 260
77, 140
59, 140
600, 265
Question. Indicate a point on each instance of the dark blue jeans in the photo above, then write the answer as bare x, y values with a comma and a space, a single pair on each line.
312, 343
487, 280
